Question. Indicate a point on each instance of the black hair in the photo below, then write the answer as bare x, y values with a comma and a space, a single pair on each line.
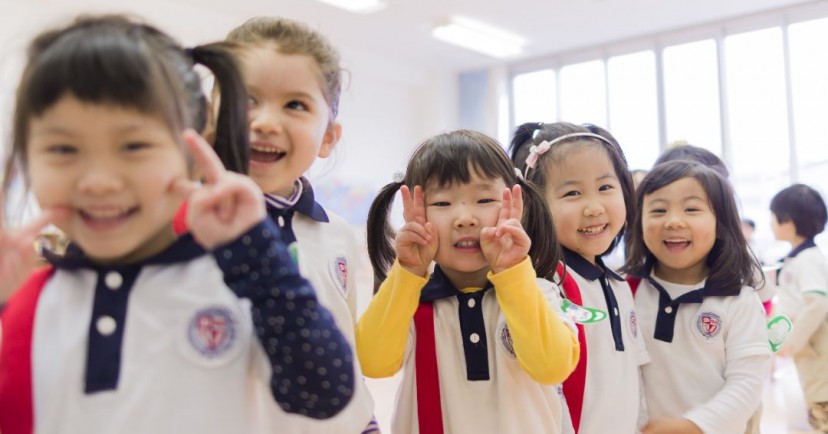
117, 60
731, 263
803, 206
450, 158
533, 133
686, 151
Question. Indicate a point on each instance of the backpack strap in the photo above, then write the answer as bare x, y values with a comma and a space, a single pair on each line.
429, 406
16, 397
573, 386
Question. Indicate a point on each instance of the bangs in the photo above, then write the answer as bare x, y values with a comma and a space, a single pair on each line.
105, 70
456, 159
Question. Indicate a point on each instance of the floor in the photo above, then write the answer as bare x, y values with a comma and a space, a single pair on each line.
783, 411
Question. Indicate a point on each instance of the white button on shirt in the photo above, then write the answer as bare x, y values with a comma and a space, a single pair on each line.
472, 303
474, 338
113, 280
106, 325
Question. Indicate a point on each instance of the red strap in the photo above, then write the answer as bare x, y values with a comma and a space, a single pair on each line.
573, 386
180, 220
16, 400
633, 282
429, 408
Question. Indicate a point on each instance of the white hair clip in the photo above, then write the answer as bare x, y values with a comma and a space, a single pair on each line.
518, 173
399, 177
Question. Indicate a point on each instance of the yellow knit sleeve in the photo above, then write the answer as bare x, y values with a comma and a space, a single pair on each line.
382, 330
545, 347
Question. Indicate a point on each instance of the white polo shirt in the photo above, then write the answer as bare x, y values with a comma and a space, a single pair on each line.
327, 256
713, 370
806, 269
611, 390
170, 345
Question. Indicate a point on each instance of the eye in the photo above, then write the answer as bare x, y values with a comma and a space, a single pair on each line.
658, 211
444, 203
691, 209
571, 193
62, 149
252, 101
487, 200
297, 105
605, 187
135, 146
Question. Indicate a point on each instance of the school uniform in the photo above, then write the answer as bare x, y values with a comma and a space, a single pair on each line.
709, 353
805, 271
498, 351
325, 247
615, 349
179, 342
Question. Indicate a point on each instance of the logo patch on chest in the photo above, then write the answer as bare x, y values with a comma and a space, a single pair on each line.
633, 324
339, 270
212, 332
709, 324
506, 340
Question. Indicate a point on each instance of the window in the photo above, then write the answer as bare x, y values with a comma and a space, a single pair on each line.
583, 93
633, 106
534, 97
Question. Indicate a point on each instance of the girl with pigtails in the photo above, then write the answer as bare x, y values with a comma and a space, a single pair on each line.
464, 306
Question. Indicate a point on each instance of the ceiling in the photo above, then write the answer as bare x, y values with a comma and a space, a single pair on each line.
400, 33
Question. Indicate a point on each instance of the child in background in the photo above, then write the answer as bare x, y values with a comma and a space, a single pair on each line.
294, 80
480, 340
134, 329
704, 327
588, 188
799, 215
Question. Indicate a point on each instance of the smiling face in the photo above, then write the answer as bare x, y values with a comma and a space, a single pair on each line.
459, 212
290, 123
679, 228
113, 169
586, 199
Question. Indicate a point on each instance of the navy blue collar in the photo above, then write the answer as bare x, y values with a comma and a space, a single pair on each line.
438, 286
807, 244
306, 204
182, 250
587, 270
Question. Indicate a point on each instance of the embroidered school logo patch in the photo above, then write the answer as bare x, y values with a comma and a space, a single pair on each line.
212, 332
340, 273
709, 324
506, 340
633, 324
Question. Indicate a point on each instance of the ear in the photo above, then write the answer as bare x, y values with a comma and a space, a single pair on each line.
330, 140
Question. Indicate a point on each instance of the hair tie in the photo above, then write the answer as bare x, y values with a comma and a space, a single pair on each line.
518, 173
399, 177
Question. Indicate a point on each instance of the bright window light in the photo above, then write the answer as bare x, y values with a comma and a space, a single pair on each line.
357, 6
480, 37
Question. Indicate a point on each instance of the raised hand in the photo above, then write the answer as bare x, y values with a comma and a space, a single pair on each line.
17, 253
226, 205
416, 241
506, 244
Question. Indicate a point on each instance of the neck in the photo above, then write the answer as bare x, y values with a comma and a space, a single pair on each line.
797, 241
682, 276
461, 280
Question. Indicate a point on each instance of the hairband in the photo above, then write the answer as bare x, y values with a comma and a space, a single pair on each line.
536, 151
399, 177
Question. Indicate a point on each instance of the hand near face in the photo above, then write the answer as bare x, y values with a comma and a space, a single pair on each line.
416, 241
17, 253
227, 204
671, 426
507, 243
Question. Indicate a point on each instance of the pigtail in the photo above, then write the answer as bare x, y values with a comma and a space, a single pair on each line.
231, 141
537, 222
380, 234
523, 135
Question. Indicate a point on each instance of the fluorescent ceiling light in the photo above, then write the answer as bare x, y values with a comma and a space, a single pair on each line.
357, 6
480, 37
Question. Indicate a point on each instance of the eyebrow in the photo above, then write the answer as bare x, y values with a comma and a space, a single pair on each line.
59, 130
686, 199
600, 178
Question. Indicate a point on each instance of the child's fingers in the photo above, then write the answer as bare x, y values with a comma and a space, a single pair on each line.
505, 206
47, 217
205, 158
517, 202
183, 188
408, 203
419, 205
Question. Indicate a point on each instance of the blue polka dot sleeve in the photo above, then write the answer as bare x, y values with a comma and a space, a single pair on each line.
312, 362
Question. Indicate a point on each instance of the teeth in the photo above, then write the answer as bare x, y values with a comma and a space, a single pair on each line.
267, 150
468, 243
676, 241
592, 229
105, 214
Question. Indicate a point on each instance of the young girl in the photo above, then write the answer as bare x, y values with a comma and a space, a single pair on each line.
704, 326
589, 190
487, 343
134, 330
293, 77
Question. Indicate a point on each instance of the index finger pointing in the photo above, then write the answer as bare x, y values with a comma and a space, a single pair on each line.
517, 202
204, 156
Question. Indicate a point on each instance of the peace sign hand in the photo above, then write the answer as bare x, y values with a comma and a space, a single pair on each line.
506, 244
227, 204
416, 241
17, 252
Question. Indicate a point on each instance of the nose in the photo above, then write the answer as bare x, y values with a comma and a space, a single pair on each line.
100, 178
465, 218
674, 221
593, 208
265, 120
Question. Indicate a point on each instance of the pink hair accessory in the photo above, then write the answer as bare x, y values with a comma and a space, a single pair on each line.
536, 151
